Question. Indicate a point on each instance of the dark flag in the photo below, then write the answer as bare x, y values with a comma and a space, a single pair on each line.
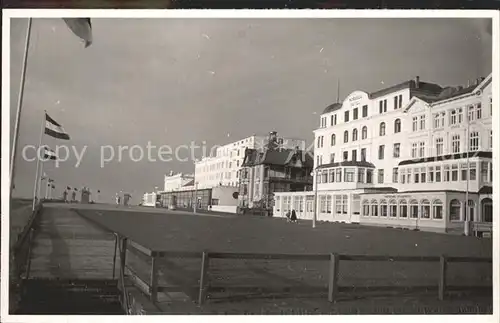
54, 129
81, 27
50, 154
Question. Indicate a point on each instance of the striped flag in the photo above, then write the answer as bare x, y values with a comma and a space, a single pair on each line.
81, 27
54, 129
49, 154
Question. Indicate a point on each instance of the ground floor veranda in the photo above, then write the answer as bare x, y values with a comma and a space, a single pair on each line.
441, 211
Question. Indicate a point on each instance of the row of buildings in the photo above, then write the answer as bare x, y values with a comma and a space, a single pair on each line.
413, 155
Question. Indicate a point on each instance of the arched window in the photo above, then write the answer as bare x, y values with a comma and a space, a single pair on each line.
374, 205
393, 208
366, 208
346, 136
425, 209
355, 135
382, 129
455, 208
383, 208
397, 125
437, 209
403, 209
332, 140
364, 132
413, 209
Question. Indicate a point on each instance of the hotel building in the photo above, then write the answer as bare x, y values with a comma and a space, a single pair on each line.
404, 156
223, 168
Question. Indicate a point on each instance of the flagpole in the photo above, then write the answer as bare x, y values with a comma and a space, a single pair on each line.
47, 190
19, 106
39, 185
35, 189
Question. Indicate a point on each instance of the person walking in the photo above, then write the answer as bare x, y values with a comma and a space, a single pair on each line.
288, 216
65, 196
293, 217
73, 197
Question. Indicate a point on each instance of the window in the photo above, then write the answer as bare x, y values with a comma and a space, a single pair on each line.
346, 116
455, 210
474, 141
338, 174
354, 155
381, 149
331, 175
421, 149
478, 111
334, 119
403, 209
453, 117
355, 114
361, 175
363, 154
328, 204
396, 150
416, 175
414, 150
365, 111
393, 208
338, 204
471, 112
437, 121
383, 208
408, 176
318, 142
438, 174
369, 176
331, 120
355, 135
346, 155
423, 174
422, 122
437, 209
346, 136
446, 173
277, 203
317, 161
324, 175
491, 106
322, 204
455, 144
454, 172
349, 175
463, 171
414, 124
460, 113
374, 205
439, 146
414, 209
380, 176
400, 101
382, 129
484, 171
425, 209
395, 175
366, 208
332, 158
332, 140
491, 139
431, 174
397, 126
403, 176
364, 132
395, 102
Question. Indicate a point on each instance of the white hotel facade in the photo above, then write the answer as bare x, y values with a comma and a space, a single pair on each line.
223, 168
404, 156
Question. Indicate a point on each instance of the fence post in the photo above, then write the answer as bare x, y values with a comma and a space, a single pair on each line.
442, 276
123, 253
153, 289
333, 277
203, 277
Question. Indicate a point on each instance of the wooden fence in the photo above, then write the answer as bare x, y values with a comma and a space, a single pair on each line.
151, 287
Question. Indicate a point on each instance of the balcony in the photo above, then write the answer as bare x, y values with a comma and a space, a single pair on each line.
292, 179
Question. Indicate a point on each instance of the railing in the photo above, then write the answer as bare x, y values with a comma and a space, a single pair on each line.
152, 287
482, 227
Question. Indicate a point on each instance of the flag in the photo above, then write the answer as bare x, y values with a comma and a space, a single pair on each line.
68, 188
49, 154
54, 129
53, 186
81, 27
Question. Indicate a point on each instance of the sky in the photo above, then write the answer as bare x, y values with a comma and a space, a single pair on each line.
176, 81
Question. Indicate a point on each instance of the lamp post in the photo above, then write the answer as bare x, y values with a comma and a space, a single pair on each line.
467, 216
195, 197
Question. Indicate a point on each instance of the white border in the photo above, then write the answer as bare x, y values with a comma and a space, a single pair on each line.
57, 13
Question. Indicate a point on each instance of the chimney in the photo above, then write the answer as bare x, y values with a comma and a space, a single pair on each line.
417, 82
171, 173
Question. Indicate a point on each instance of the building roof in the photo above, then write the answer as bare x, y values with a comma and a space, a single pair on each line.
332, 107
482, 154
279, 157
423, 87
348, 163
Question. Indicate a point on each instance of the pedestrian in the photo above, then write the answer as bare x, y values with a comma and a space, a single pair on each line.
293, 217
73, 197
65, 196
288, 216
